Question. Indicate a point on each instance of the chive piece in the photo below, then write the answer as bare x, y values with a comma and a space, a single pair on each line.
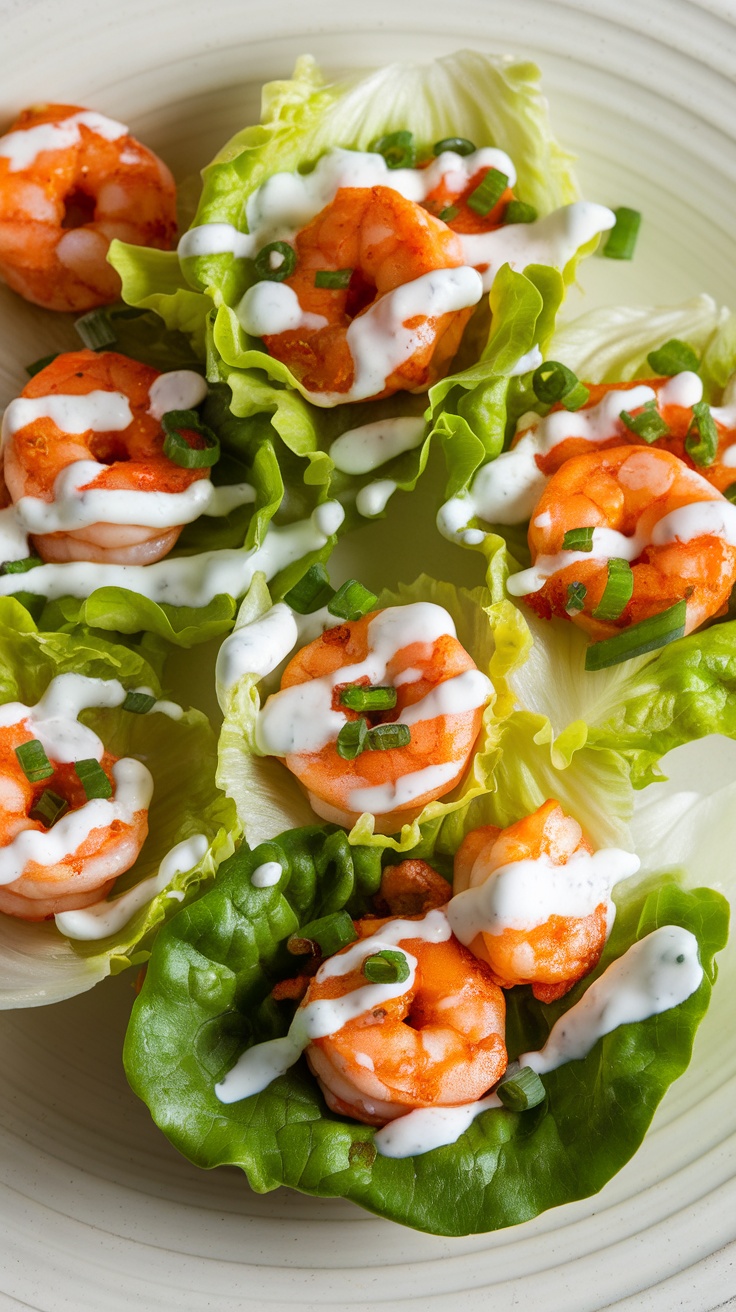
553, 381
38, 365
96, 330
351, 740
576, 594
33, 761
387, 967
459, 145
384, 737
617, 592
336, 279
357, 698
648, 424
489, 192
49, 808
20, 566
397, 149
638, 639
578, 539
327, 935
93, 779
175, 424
701, 442
673, 357
139, 703
730, 493
517, 211
352, 601
621, 242
449, 213
312, 591
275, 262
577, 397
522, 1090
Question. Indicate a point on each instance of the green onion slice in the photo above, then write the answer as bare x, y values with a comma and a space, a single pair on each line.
386, 736
489, 192
517, 211
386, 967
638, 639
93, 779
621, 242
96, 330
648, 424
358, 698
352, 601
351, 740
38, 365
701, 442
617, 592
20, 566
576, 594
311, 592
673, 357
337, 279
49, 808
33, 761
397, 149
460, 146
327, 935
267, 270
139, 703
175, 424
449, 213
553, 381
576, 397
730, 493
522, 1090
578, 539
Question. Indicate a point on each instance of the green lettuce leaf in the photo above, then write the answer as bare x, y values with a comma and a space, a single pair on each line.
38, 964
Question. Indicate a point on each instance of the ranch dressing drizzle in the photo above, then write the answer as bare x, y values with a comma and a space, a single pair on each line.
397, 796
267, 875
374, 497
553, 240
181, 389
257, 649
258, 1066
23, 146
361, 450
109, 916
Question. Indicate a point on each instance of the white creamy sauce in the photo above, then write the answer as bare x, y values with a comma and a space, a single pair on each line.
429, 1127
216, 239
553, 240
269, 308
258, 648
23, 146
382, 798
526, 363
262, 1063
96, 412
684, 389
374, 497
13, 538
266, 875
111, 915
181, 389
54, 719
361, 450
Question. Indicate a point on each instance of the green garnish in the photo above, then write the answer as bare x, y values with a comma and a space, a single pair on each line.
639, 638
701, 442
38, 365
351, 739
33, 761
617, 592
552, 381
270, 271
176, 423
397, 149
139, 703
93, 779
336, 279
20, 566
576, 594
386, 967
384, 737
96, 330
460, 146
621, 241
352, 601
358, 698
522, 1090
311, 592
648, 424
578, 539
489, 192
49, 808
673, 357
449, 213
327, 935
517, 211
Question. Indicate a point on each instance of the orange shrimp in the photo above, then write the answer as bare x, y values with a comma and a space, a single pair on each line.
438, 1043
71, 181
646, 507
465, 219
439, 693
38, 451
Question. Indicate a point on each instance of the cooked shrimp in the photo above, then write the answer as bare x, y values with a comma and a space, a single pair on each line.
70, 181
450, 199
93, 419
437, 1041
499, 873
411, 888
439, 696
645, 507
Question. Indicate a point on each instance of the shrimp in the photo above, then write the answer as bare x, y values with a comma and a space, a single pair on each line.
450, 199
119, 449
411, 888
439, 696
438, 1041
72, 180
645, 507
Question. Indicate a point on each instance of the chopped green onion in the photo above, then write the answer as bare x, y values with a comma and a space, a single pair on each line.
357, 698
730, 493
522, 1090
38, 365
673, 357
489, 192
93, 779
270, 271
386, 967
449, 213
553, 381
139, 703
576, 594
517, 211
397, 149
701, 442
459, 145
384, 737
175, 424
578, 539
352, 601
333, 278
33, 761
312, 591
621, 241
648, 424
20, 566
578, 395
351, 740
49, 808
638, 639
95, 330
617, 592
328, 935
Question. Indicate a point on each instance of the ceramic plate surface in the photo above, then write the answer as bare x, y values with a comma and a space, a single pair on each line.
97, 1210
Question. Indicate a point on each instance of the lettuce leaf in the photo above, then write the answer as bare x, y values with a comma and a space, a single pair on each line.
206, 997
38, 964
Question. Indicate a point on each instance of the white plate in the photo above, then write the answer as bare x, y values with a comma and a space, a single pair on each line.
97, 1211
